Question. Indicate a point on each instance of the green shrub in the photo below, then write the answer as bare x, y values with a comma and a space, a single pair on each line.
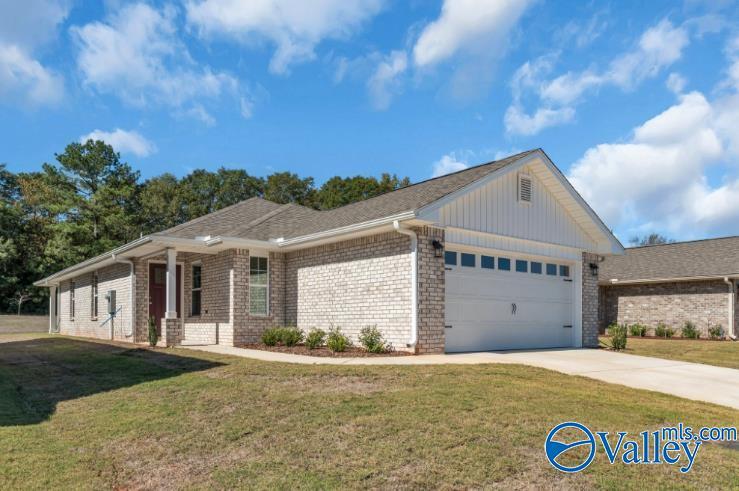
639, 330
153, 336
336, 341
315, 338
690, 331
618, 337
662, 331
271, 336
372, 340
290, 336
716, 332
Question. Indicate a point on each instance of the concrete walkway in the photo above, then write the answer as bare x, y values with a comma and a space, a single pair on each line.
689, 380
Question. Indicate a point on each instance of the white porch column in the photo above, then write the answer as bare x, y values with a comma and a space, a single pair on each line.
171, 312
52, 309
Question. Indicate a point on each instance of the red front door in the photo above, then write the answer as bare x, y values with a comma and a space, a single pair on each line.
158, 293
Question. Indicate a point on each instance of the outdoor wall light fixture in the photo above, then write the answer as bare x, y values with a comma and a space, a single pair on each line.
438, 248
594, 269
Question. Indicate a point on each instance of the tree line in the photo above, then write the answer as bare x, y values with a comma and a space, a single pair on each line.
89, 201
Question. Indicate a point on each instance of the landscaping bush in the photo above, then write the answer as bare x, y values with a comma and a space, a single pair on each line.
315, 338
153, 336
716, 332
618, 337
336, 341
372, 340
271, 336
662, 331
689, 331
290, 336
638, 330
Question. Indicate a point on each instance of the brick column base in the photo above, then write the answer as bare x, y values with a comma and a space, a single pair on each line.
172, 332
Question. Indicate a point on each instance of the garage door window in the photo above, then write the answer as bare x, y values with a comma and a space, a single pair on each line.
487, 262
522, 266
564, 270
535, 267
552, 269
468, 260
504, 264
450, 258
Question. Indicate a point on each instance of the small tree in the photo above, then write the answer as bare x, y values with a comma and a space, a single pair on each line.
21, 297
153, 335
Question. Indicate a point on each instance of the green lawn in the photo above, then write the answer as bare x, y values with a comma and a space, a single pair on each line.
719, 353
77, 414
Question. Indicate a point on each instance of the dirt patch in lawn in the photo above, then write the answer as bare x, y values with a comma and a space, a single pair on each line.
352, 352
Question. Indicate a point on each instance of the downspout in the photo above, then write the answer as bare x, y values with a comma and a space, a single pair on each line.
414, 281
133, 296
732, 308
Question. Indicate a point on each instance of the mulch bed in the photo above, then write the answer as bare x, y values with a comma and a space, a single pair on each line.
352, 352
674, 338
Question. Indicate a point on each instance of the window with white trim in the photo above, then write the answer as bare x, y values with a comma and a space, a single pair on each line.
71, 300
258, 285
94, 296
197, 281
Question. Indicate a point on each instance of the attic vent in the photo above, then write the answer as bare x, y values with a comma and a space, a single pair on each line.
524, 188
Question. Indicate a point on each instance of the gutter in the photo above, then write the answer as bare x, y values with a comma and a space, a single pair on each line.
414, 280
732, 300
133, 296
616, 281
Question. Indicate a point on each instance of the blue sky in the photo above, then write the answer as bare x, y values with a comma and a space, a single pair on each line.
637, 102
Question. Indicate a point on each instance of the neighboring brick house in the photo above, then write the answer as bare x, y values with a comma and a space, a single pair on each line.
497, 256
673, 283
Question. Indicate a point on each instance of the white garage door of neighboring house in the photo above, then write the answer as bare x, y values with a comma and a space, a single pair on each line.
502, 302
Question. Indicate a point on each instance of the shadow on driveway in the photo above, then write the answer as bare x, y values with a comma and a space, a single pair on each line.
36, 374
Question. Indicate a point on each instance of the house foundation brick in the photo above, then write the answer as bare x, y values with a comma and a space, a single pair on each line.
705, 303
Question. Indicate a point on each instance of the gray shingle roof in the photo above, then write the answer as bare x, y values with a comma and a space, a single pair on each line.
260, 219
710, 257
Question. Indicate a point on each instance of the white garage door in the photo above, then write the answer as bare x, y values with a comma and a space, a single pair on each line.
502, 302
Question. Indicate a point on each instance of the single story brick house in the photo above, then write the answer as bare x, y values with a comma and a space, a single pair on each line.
673, 283
499, 256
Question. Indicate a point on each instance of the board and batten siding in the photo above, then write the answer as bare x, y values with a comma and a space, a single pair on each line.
541, 227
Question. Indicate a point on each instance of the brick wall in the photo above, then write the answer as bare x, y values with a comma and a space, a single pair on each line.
702, 302
214, 319
115, 277
431, 292
590, 301
352, 284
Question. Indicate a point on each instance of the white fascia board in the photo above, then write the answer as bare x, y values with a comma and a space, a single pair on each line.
239, 243
616, 281
342, 231
91, 264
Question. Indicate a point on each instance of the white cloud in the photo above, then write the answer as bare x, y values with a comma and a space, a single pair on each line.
676, 83
384, 81
25, 79
123, 141
447, 164
471, 25
24, 27
659, 47
137, 55
296, 27
659, 178
520, 123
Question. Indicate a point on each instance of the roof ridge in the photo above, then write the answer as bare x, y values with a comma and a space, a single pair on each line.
513, 157
263, 218
683, 242
210, 215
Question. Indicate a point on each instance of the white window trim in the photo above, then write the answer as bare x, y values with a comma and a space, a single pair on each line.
94, 295
269, 266
199, 264
72, 299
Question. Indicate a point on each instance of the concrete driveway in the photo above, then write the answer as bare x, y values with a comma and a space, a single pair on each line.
689, 380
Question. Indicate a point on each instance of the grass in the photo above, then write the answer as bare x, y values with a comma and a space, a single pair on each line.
23, 323
79, 414
719, 353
